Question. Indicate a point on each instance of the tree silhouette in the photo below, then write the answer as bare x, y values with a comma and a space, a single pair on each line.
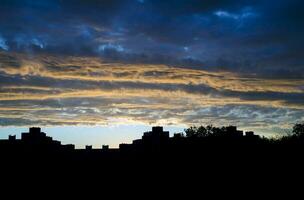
191, 131
195, 132
298, 129
202, 131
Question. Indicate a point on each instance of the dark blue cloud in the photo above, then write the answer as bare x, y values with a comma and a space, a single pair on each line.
253, 37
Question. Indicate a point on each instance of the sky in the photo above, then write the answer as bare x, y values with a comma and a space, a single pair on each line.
115, 66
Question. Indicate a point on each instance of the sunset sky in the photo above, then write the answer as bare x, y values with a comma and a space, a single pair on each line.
98, 71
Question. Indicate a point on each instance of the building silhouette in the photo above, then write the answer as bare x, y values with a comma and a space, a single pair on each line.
156, 143
34, 141
151, 142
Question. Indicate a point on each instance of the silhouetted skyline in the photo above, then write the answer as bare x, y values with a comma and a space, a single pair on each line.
195, 144
98, 136
179, 63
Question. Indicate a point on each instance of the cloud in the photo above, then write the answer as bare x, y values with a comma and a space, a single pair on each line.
54, 90
3, 44
110, 47
246, 13
156, 32
186, 61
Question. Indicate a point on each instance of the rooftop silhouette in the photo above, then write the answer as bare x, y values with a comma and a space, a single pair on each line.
195, 143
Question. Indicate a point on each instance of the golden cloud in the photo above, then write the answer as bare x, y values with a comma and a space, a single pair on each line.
103, 93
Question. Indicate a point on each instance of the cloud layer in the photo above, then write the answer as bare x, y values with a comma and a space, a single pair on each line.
166, 62
48, 90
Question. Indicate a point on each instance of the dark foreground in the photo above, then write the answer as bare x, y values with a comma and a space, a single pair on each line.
178, 162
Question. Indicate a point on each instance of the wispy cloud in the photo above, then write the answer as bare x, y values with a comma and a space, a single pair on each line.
3, 44
176, 62
51, 90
